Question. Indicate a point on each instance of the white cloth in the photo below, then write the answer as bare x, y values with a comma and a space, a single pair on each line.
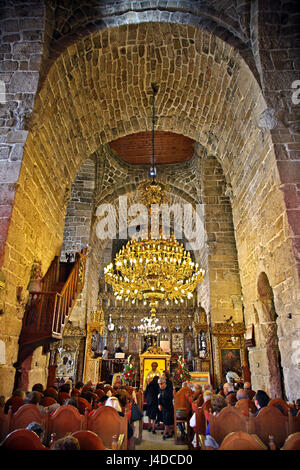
231, 377
193, 421
105, 354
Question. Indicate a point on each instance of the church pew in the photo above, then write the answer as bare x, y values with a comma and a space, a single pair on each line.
64, 420
88, 440
283, 404
106, 422
200, 426
269, 422
292, 442
22, 439
245, 405
230, 419
242, 441
293, 423
3, 424
25, 415
182, 410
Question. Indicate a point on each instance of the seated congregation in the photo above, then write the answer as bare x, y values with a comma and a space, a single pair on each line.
61, 417
105, 417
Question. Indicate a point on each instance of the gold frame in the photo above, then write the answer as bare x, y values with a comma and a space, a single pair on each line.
92, 365
153, 354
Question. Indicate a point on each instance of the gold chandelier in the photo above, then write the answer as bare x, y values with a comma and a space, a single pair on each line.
153, 269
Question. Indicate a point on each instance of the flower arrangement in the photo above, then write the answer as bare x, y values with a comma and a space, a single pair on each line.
181, 373
128, 374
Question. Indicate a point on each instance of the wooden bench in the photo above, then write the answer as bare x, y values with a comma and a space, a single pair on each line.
106, 422
88, 440
64, 420
269, 422
22, 439
230, 419
182, 411
292, 442
25, 415
242, 441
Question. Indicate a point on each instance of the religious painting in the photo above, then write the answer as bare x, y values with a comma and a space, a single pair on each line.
111, 343
177, 342
96, 343
122, 339
165, 346
230, 360
189, 345
161, 366
134, 343
66, 362
202, 344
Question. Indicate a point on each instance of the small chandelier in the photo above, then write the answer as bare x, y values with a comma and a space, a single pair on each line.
153, 269
149, 326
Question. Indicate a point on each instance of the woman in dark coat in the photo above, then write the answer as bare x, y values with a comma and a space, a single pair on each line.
151, 395
165, 405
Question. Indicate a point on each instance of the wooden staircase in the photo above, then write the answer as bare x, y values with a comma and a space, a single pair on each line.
48, 311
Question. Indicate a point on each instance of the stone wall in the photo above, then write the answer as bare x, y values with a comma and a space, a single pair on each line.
98, 89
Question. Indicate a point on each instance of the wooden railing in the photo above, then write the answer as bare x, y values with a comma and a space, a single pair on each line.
51, 278
47, 312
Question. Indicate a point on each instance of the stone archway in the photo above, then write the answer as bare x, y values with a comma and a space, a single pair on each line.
97, 91
267, 324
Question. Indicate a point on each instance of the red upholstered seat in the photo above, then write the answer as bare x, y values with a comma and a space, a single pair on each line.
22, 439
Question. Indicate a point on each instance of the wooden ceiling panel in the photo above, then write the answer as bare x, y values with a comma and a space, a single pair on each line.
136, 149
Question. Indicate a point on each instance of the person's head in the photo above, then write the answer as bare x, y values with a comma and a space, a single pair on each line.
228, 387
113, 402
79, 385
162, 383
66, 443
207, 387
73, 401
217, 404
155, 379
37, 429
18, 392
261, 399
33, 398
51, 392
247, 385
105, 348
88, 396
298, 404
122, 397
103, 399
241, 393
65, 388
207, 395
154, 366
166, 374
38, 388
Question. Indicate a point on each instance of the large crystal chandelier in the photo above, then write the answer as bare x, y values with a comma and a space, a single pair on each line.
149, 325
153, 269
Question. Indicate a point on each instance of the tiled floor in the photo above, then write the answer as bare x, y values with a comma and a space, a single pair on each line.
155, 442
